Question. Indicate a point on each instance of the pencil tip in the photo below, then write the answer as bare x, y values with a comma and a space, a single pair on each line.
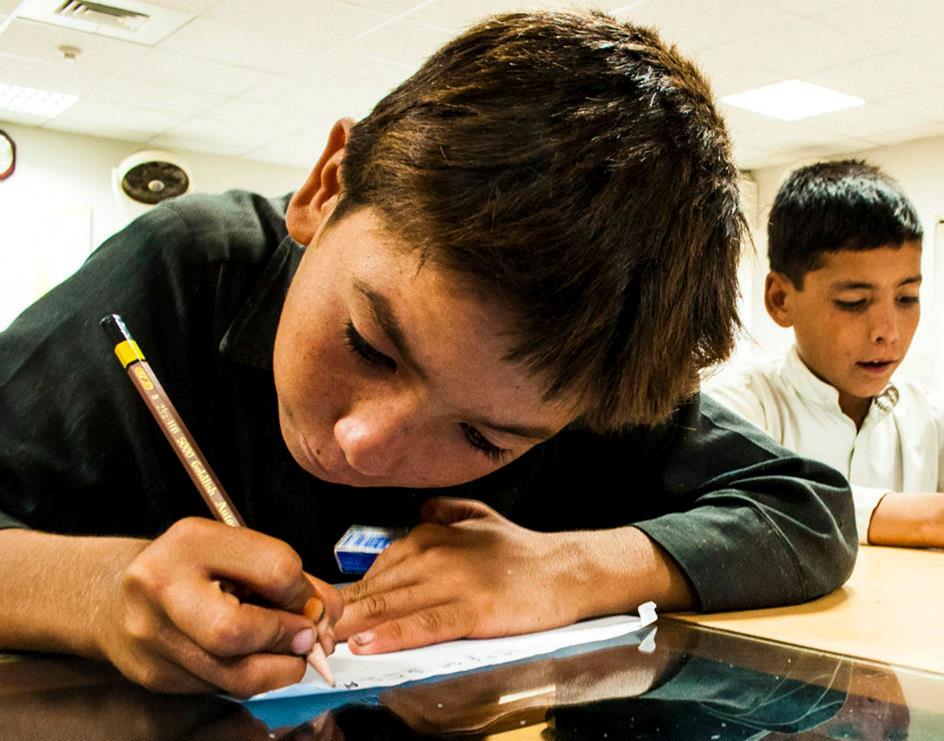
319, 662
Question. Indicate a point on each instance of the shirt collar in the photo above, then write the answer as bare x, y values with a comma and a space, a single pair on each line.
798, 375
250, 339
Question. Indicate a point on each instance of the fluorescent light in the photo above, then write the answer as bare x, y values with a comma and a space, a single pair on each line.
792, 100
34, 101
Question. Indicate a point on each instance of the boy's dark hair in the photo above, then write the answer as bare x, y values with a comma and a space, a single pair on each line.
832, 206
574, 169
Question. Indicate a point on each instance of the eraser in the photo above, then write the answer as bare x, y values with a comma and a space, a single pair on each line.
361, 544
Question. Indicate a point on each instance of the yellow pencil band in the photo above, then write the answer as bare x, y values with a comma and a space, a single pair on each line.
128, 352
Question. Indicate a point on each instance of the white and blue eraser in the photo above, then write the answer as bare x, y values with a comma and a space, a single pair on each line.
361, 544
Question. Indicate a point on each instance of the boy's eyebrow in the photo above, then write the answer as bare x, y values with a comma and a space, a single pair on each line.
387, 319
851, 285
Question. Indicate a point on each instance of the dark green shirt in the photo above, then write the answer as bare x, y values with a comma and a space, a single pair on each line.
200, 282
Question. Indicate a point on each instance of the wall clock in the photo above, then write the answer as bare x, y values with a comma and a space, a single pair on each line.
7, 155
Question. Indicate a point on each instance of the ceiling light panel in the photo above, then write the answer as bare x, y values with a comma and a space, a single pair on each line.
792, 100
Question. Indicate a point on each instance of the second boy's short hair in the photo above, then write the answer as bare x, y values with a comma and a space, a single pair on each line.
574, 170
831, 206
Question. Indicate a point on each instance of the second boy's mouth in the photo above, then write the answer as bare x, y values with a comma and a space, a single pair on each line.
876, 366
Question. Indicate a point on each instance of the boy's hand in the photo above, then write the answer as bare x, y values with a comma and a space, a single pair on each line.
169, 622
467, 572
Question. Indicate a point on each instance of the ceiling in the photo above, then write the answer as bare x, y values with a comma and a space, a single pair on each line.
265, 80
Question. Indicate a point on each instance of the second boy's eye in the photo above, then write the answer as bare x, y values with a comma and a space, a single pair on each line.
851, 305
908, 301
365, 352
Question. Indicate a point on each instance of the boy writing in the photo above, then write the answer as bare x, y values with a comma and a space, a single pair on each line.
845, 255
483, 314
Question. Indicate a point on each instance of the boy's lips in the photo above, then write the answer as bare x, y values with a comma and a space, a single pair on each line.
876, 366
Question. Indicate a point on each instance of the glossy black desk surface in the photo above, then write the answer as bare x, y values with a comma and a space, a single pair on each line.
696, 684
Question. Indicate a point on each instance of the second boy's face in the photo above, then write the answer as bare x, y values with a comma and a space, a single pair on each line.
856, 316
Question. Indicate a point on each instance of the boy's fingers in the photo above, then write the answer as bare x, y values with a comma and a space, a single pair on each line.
450, 510
326, 604
241, 676
265, 566
380, 606
432, 625
223, 626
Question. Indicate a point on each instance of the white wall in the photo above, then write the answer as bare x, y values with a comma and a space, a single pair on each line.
919, 168
59, 204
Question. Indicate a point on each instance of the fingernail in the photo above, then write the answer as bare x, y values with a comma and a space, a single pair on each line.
362, 639
303, 641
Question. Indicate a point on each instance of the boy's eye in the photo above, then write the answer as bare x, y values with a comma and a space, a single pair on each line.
478, 441
364, 352
851, 305
908, 300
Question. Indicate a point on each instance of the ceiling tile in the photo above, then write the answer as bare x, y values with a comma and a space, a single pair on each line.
193, 7
865, 120
808, 8
695, 26
240, 134
41, 42
196, 145
781, 135
223, 42
139, 93
881, 76
403, 41
318, 101
391, 7
25, 119
885, 25
928, 103
8, 6
458, 16
53, 77
181, 70
731, 72
319, 25
898, 136
272, 119
354, 68
780, 47
146, 123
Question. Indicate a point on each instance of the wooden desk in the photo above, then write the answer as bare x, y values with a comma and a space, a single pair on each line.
891, 610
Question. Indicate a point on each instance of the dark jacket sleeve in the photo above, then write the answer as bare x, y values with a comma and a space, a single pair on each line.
78, 451
749, 523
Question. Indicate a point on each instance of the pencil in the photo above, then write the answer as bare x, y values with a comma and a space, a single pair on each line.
183, 444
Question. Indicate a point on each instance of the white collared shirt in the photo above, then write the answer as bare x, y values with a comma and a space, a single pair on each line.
900, 446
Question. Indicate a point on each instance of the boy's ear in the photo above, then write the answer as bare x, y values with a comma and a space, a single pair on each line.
778, 298
315, 200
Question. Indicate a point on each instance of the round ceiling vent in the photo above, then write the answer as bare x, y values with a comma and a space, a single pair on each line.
151, 177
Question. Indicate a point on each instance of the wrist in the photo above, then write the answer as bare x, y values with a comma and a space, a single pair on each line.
614, 571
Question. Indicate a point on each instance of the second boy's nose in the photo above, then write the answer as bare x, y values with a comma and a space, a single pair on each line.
884, 327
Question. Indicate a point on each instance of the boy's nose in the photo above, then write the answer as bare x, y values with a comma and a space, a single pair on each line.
884, 328
375, 435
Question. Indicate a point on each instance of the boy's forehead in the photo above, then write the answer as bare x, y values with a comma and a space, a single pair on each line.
880, 265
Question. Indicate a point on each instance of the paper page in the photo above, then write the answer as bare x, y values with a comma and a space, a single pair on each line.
355, 673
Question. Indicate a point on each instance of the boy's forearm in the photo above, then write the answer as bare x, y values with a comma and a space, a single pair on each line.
51, 587
621, 568
908, 519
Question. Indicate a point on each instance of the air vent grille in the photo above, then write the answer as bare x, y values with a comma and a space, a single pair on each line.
108, 15
130, 20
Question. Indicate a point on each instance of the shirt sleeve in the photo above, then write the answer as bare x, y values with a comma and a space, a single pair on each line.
866, 500
738, 392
